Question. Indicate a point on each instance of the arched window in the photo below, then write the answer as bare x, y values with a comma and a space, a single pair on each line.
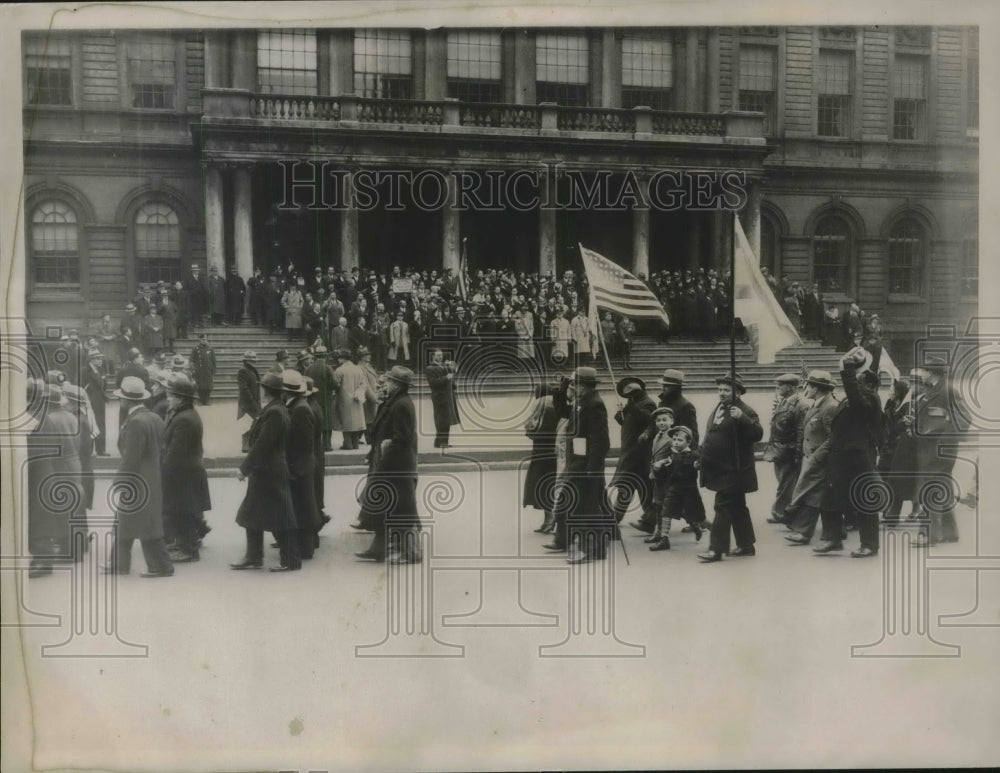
770, 248
157, 243
833, 255
55, 252
907, 250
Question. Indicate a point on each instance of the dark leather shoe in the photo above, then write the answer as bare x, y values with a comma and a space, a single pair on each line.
177, 557
797, 539
164, 573
709, 557
772, 519
663, 543
743, 552
247, 563
555, 546
828, 547
284, 568
652, 538
641, 526
368, 555
864, 553
358, 527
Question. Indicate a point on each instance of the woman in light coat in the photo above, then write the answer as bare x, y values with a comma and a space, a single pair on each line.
292, 302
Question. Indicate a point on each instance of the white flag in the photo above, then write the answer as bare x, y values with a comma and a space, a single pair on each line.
755, 304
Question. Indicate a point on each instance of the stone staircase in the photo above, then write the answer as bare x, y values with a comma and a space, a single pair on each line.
490, 370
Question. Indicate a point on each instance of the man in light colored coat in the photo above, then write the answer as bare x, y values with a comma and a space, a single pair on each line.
350, 382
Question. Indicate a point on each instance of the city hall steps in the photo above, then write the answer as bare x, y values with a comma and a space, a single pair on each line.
488, 371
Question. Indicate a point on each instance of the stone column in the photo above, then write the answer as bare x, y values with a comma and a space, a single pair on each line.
243, 222
450, 230
215, 244
640, 241
341, 62
524, 68
719, 259
216, 59
693, 258
693, 103
243, 59
713, 70
349, 250
611, 70
547, 228
436, 71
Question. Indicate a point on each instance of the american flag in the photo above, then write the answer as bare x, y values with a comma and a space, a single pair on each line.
615, 289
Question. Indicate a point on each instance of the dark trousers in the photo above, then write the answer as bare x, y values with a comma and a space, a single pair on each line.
867, 523
204, 395
288, 547
804, 520
628, 486
185, 529
942, 513
153, 550
731, 512
786, 474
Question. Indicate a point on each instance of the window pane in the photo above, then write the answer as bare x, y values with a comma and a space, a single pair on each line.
383, 63
832, 120
286, 61
757, 68
647, 62
562, 59
54, 247
48, 67
474, 66
834, 72
759, 102
908, 119
832, 255
157, 243
906, 258
908, 78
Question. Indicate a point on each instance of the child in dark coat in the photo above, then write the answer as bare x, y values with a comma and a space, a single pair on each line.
676, 486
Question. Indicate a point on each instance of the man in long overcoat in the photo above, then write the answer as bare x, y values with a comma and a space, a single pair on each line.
632, 473
324, 379
441, 379
248, 383
185, 482
93, 385
589, 522
319, 454
807, 497
196, 289
350, 384
217, 296
301, 460
728, 468
782, 449
392, 483
236, 293
540, 478
851, 460
140, 502
267, 505
897, 450
203, 368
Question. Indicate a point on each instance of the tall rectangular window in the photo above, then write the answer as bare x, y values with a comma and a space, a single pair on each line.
383, 64
647, 71
474, 66
48, 64
152, 72
909, 98
834, 94
286, 61
757, 82
970, 267
562, 69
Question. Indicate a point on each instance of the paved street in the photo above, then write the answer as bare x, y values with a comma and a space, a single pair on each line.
745, 663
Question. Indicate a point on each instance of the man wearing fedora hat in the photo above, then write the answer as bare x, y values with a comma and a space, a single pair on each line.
93, 384
299, 451
197, 292
937, 417
585, 462
140, 441
391, 490
319, 455
440, 374
185, 482
248, 384
267, 505
157, 402
323, 378
807, 496
728, 468
632, 472
783, 449
350, 384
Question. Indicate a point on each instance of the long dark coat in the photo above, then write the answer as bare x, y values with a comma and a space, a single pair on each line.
636, 420
53, 478
392, 484
185, 482
236, 292
197, 294
319, 453
268, 502
140, 443
217, 294
301, 455
442, 396
539, 479
169, 316
248, 383
815, 450
93, 385
727, 460
324, 380
853, 440
203, 366
585, 471
937, 421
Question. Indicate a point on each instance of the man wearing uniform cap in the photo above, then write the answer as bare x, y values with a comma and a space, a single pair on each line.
632, 472
203, 368
807, 496
139, 443
783, 447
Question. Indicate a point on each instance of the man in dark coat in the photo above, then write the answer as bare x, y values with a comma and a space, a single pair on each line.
589, 523
319, 454
93, 385
936, 420
236, 293
185, 481
267, 505
217, 297
324, 379
196, 289
257, 298
897, 450
441, 378
203, 368
728, 468
392, 483
129, 332
783, 448
140, 443
539, 480
248, 384
301, 460
632, 473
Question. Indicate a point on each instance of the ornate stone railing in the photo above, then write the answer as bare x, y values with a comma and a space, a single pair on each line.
400, 111
308, 108
498, 116
595, 119
704, 124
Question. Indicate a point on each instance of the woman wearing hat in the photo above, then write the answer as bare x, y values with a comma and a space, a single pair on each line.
540, 478
728, 468
391, 489
140, 504
267, 505
185, 482
54, 489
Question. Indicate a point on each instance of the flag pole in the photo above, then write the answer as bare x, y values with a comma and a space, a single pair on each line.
732, 301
